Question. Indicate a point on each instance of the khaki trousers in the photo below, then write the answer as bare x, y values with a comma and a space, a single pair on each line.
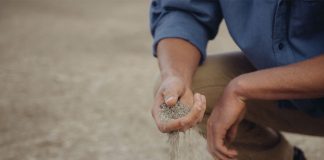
259, 135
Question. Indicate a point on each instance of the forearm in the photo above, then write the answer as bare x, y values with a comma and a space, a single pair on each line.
177, 57
296, 81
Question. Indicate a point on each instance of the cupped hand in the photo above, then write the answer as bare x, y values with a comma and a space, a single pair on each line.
223, 123
170, 91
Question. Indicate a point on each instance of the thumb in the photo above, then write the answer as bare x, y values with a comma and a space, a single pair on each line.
234, 129
171, 97
231, 134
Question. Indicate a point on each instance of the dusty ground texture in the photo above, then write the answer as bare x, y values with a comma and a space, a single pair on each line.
76, 82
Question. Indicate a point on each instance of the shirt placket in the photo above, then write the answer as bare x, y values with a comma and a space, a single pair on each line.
280, 43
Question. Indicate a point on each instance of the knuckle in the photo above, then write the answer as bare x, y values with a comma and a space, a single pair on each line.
196, 116
168, 90
165, 91
191, 120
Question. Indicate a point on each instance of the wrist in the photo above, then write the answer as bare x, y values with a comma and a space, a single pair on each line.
177, 58
174, 77
238, 87
177, 72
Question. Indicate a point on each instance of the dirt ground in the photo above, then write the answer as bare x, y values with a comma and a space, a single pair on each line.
76, 82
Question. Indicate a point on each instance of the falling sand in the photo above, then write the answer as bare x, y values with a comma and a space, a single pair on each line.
175, 112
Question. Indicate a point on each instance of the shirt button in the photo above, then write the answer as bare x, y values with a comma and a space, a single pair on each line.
280, 46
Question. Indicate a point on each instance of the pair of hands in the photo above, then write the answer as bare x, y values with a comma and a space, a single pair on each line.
222, 124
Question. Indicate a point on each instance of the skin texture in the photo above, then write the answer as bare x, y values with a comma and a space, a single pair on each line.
176, 78
178, 60
300, 80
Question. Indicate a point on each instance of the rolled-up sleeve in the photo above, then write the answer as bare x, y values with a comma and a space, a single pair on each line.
195, 21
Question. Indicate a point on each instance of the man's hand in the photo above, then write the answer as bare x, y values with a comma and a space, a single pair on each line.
171, 90
178, 60
223, 123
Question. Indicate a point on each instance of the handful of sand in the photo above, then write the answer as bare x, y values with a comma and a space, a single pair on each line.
169, 113
175, 112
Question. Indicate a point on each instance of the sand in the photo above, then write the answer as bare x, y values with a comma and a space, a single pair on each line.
175, 112
77, 79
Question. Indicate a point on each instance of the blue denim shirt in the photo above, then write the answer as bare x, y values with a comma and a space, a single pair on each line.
270, 32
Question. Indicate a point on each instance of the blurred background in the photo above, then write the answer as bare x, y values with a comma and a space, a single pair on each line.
76, 79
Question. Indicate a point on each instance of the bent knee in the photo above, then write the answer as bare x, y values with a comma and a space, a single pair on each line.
212, 77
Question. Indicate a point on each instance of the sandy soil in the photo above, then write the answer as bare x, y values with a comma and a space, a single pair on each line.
76, 82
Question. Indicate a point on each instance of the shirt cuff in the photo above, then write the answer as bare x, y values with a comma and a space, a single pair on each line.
177, 24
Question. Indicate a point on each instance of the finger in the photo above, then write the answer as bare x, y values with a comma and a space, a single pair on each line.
219, 144
198, 110
211, 149
156, 106
232, 132
171, 125
195, 112
209, 140
220, 156
156, 112
194, 115
231, 135
203, 106
171, 96
188, 121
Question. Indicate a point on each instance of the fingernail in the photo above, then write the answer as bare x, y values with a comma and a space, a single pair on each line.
196, 96
169, 98
200, 98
